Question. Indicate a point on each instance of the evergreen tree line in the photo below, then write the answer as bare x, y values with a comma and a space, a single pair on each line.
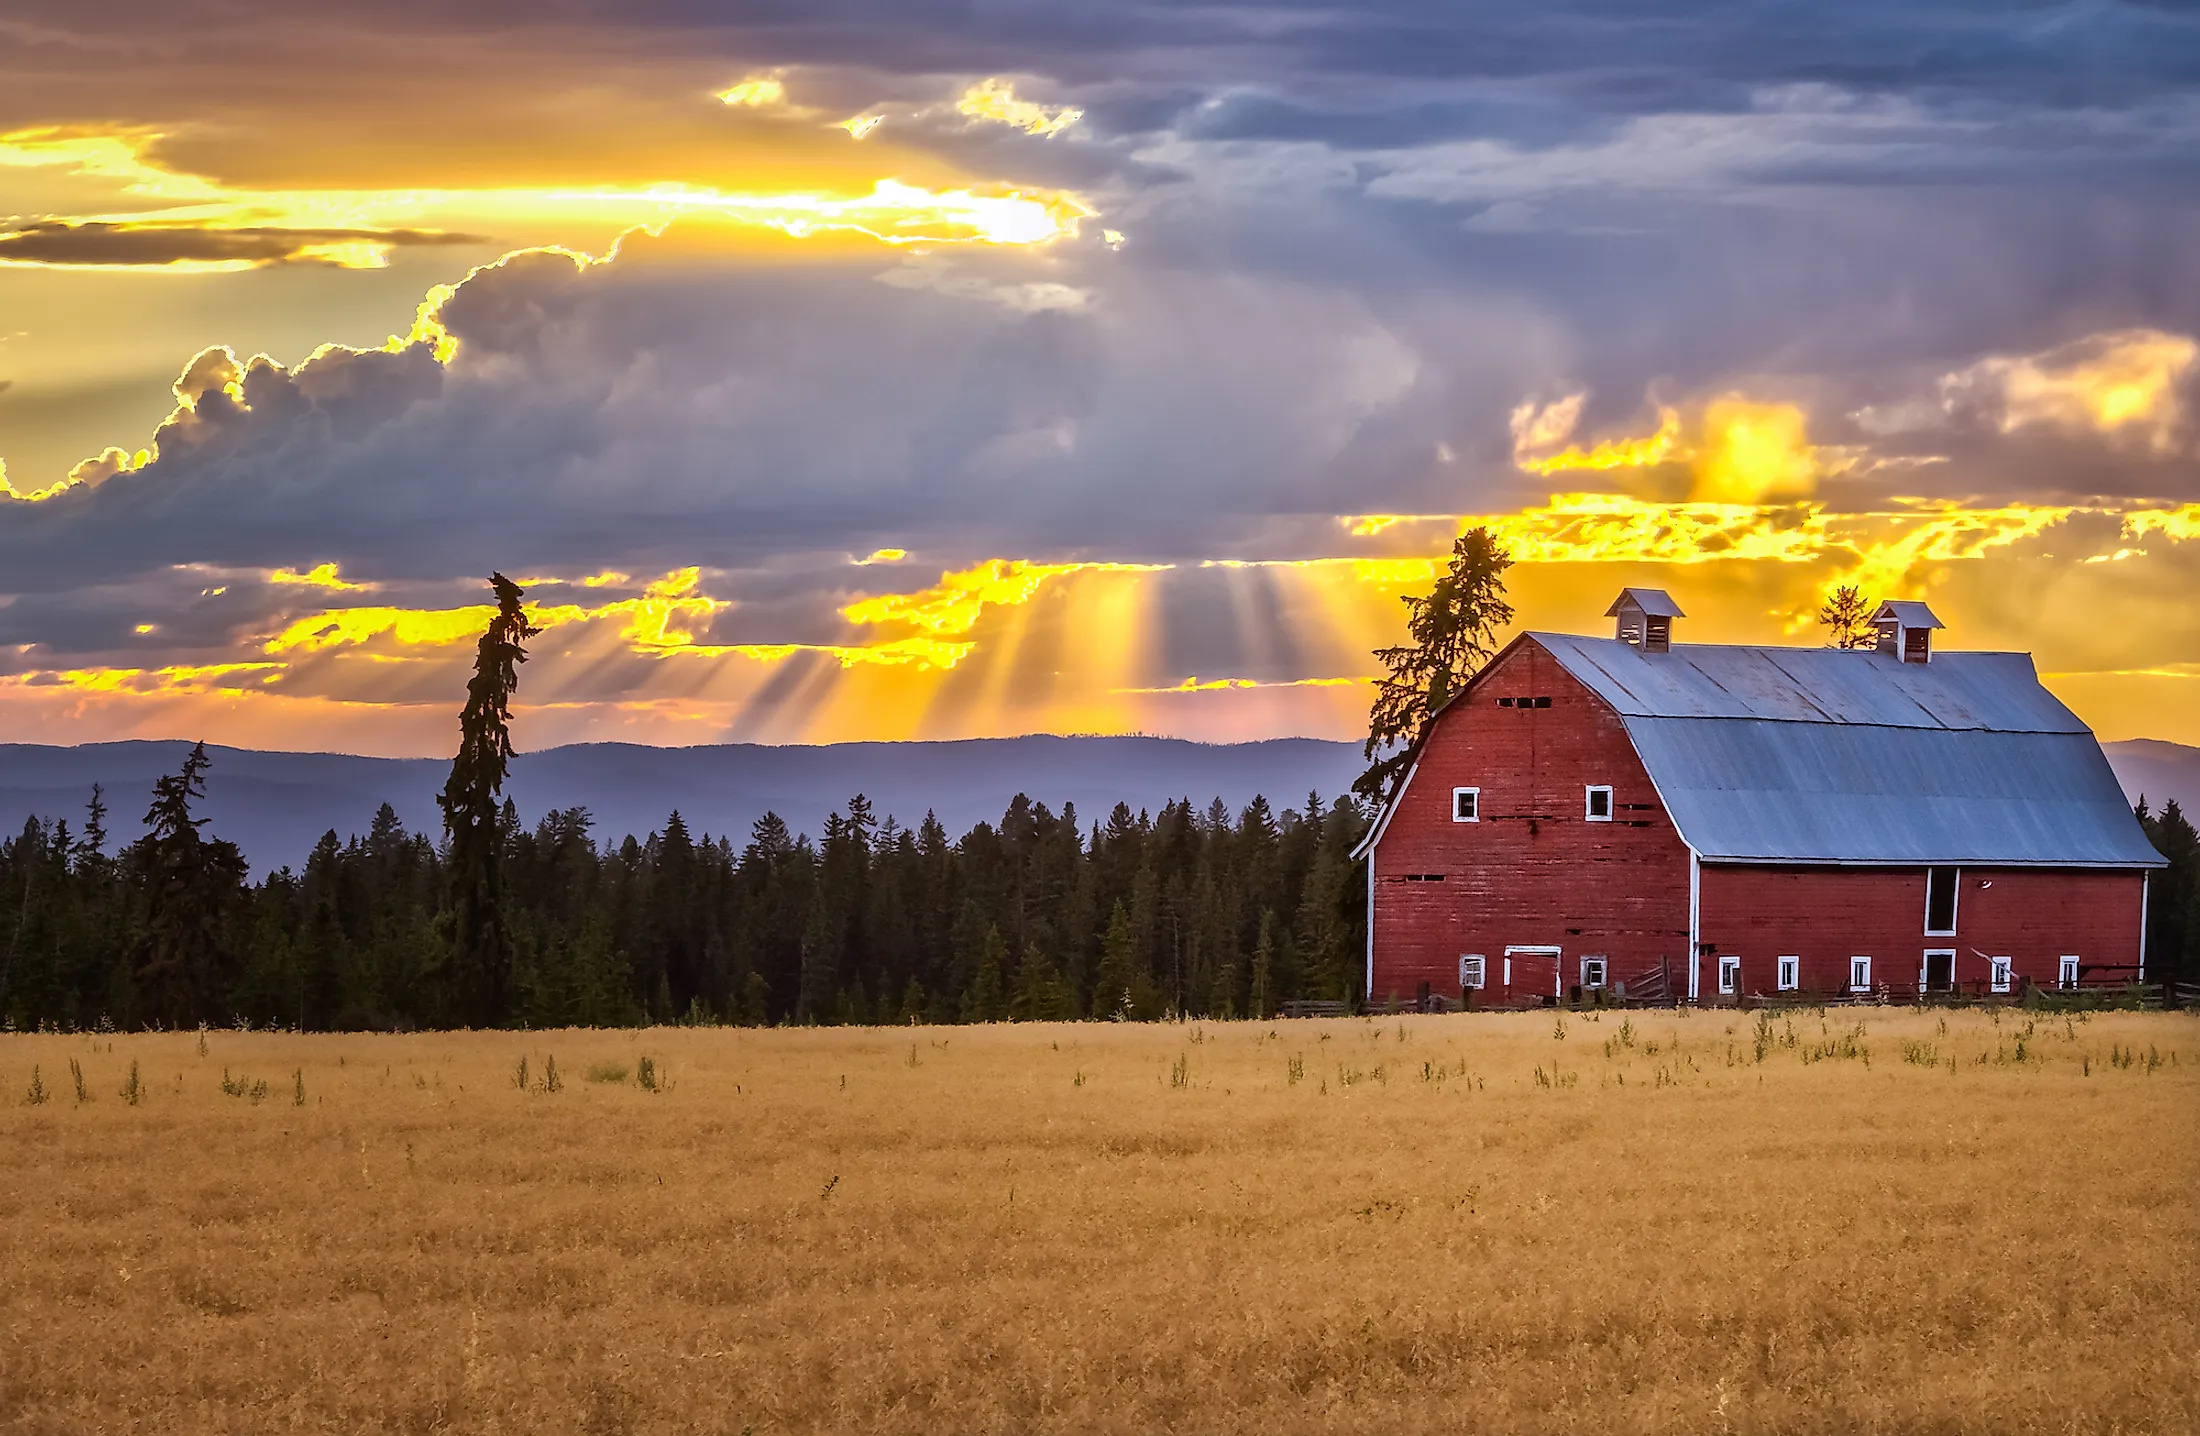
1200, 912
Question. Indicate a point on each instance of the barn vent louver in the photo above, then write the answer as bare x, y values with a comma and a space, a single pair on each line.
1906, 630
1645, 618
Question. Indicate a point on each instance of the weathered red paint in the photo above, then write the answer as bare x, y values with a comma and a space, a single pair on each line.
1534, 872
1824, 916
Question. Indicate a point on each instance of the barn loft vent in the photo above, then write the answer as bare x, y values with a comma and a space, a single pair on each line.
1645, 618
1906, 630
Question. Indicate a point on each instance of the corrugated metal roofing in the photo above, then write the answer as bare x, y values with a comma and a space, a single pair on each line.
1806, 755
1655, 602
1908, 612
1997, 692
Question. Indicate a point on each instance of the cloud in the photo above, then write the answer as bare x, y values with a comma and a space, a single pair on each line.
995, 100
2133, 382
1742, 451
62, 244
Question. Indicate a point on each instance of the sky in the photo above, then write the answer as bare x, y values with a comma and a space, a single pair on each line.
881, 369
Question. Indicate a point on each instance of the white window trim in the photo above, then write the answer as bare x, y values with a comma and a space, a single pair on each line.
2067, 968
1791, 974
1955, 905
1998, 974
1474, 976
1604, 972
1477, 805
1558, 974
1925, 968
1730, 973
1588, 803
1866, 984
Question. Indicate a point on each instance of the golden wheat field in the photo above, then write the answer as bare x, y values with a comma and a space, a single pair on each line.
1869, 1220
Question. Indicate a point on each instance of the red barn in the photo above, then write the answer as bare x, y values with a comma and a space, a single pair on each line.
1708, 822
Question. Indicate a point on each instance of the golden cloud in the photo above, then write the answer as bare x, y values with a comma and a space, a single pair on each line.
323, 575
1742, 451
755, 92
995, 100
2128, 381
185, 223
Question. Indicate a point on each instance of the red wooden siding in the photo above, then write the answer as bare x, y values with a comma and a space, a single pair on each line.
1534, 871
1824, 916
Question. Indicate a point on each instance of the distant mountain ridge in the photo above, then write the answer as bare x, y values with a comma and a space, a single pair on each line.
276, 805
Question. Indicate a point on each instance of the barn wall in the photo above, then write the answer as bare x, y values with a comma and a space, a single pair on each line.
1826, 915
1534, 871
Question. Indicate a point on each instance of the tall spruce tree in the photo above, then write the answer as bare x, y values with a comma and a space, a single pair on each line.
481, 942
184, 963
1451, 631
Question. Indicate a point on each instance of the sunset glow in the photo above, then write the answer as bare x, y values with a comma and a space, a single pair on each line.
1056, 403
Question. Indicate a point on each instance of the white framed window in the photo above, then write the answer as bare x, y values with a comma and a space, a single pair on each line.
1998, 973
1592, 973
1860, 974
1730, 974
1466, 805
2066, 972
1473, 967
1791, 973
1940, 901
1598, 804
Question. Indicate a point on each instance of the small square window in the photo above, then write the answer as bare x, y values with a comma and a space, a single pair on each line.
1466, 805
1791, 973
1504, 703
2066, 974
1542, 702
1860, 974
1998, 968
1730, 974
1599, 805
1472, 968
1592, 973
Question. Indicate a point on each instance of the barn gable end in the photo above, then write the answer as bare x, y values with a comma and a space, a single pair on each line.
1531, 868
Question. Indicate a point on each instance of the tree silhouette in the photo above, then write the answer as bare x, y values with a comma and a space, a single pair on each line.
1847, 619
183, 970
481, 943
1452, 632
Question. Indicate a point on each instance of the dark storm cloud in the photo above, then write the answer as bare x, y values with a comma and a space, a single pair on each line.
637, 414
58, 242
1356, 238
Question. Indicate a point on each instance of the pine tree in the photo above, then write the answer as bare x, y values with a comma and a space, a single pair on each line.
983, 1003
1257, 1005
1452, 632
192, 884
1111, 984
91, 850
1847, 619
2173, 896
481, 947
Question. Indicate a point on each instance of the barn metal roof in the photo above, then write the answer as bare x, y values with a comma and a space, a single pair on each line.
1967, 692
1908, 612
1809, 755
1655, 602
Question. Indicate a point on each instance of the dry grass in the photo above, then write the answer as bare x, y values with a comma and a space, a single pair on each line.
1662, 1224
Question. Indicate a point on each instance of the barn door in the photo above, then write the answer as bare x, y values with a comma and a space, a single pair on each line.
1533, 974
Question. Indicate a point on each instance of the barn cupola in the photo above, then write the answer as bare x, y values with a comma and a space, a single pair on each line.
1906, 630
1645, 618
